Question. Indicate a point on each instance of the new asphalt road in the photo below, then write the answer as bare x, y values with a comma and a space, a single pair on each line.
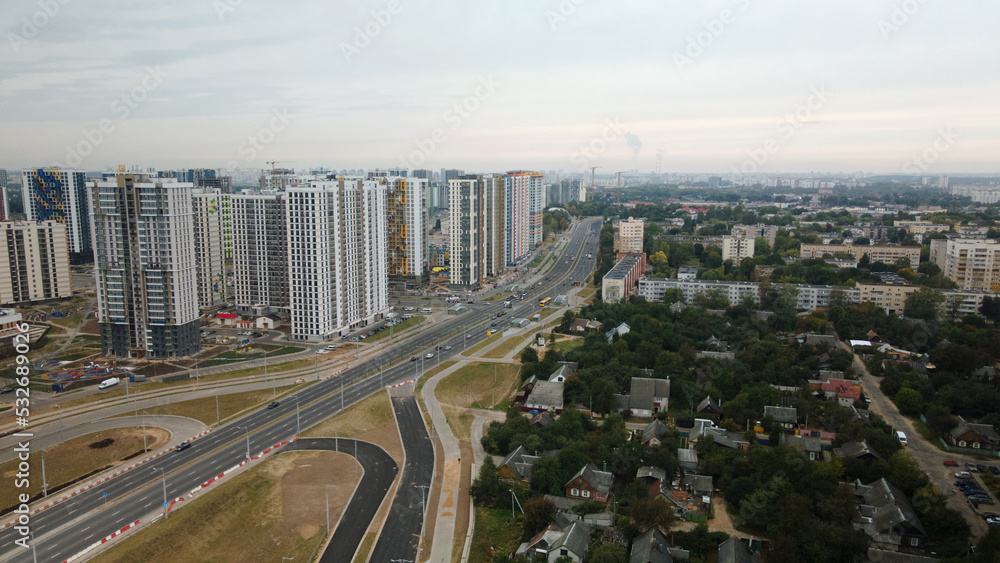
65, 529
405, 518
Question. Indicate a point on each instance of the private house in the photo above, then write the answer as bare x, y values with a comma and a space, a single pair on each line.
565, 371
590, 483
688, 459
651, 475
650, 547
680, 500
811, 445
542, 420
700, 485
845, 390
727, 439
733, 550
545, 396
573, 544
227, 319
653, 433
516, 466
646, 397
974, 436
887, 517
786, 417
709, 407
583, 325
856, 450
541, 543
525, 389
620, 330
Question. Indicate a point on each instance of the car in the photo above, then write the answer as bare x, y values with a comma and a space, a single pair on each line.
951, 463
413, 358
331, 347
428, 355
987, 515
446, 347
868, 400
322, 351
182, 446
971, 467
963, 475
981, 468
995, 470
468, 336
273, 405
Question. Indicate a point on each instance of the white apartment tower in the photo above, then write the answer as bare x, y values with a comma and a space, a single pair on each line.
337, 240
146, 267
737, 248
972, 264
34, 265
260, 252
478, 236
209, 246
628, 239
524, 203
59, 195
4, 202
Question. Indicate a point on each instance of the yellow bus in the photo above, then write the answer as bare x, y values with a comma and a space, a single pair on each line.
544, 302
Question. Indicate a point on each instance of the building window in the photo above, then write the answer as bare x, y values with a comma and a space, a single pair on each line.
586, 494
975, 445
574, 492
914, 542
961, 443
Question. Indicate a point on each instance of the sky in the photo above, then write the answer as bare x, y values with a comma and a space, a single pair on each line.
727, 86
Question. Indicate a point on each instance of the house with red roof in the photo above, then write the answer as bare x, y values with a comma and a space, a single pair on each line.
845, 390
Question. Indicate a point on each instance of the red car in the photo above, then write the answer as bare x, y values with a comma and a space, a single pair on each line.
951, 463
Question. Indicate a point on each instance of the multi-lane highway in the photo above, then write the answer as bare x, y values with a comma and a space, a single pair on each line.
63, 530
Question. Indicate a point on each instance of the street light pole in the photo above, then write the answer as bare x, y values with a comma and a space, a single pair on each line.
45, 483
247, 428
423, 507
164, 481
218, 419
298, 423
326, 491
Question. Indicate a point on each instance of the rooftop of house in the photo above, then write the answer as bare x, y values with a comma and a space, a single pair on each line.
597, 479
785, 415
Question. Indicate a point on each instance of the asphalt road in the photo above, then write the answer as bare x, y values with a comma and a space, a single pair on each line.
403, 525
380, 470
59, 530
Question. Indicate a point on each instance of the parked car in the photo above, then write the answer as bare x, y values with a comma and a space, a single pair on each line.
951, 463
273, 405
963, 475
995, 470
971, 467
981, 468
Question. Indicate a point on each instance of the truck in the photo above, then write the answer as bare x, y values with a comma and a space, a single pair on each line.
111, 381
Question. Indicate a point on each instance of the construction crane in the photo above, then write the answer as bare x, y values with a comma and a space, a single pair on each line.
593, 182
619, 184
273, 162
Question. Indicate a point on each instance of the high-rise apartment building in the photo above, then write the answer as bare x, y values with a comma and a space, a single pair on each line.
564, 191
209, 247
629, 236
769, 232
524, 202
59, 195
736, 248
477, 232
972, 264
4, 205
406, 231
34, 265
337, 240
146, 267
260, 252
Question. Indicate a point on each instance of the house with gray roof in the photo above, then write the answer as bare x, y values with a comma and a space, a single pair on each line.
650, 547
701, 485
856, 450
811, 445
620, 330
709, 407
974, 436
590, 483
565, 371
787, 417
650, 474
545, 396
574, 544
733, 550
648, 396
653, 433
887, 516
516, 466
688, 459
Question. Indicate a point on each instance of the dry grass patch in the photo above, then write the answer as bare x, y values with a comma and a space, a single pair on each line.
473, 385
509, 345
276, 509
490, 340
229, 405
73, 459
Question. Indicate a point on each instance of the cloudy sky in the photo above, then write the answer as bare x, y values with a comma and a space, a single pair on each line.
710, 86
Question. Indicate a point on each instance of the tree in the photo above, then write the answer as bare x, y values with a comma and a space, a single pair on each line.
923, 304
486, 487
991, 308
862, 241
909, 401
538, 513
529, 355
711, 299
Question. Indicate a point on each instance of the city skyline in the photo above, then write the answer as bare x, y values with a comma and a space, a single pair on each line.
727, 87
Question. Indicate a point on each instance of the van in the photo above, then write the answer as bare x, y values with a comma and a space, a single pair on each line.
901, 437
108, 383
331, 347
426, 311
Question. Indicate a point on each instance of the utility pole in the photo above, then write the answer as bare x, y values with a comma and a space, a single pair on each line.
298, 424
218, 419
326, 491
164, 481
423, 507
247, 428
45, 483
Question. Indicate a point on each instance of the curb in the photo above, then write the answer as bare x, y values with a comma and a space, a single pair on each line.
86, 488
104, 540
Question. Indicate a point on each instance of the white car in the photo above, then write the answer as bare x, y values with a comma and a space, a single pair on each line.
963, 475
322, 351
428, 355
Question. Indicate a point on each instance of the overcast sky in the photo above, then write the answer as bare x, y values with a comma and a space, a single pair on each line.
709, 86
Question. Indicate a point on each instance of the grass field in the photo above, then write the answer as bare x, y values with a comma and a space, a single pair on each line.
69, 322
74, 458
413, 321
75, 356
432, 372
365, 548
474, 384
229, 405
258, 351
515, 342
275, 509
565, 345
494, 535
374, 411
489, 340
